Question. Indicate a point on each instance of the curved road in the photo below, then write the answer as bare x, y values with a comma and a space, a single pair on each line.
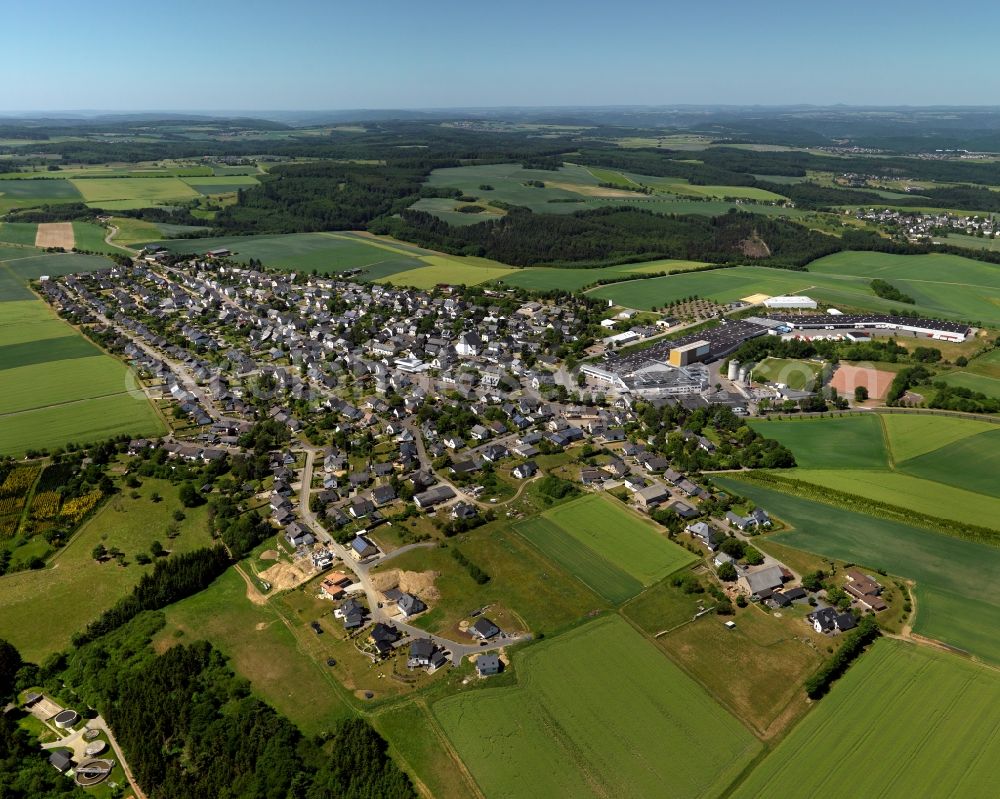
362, 572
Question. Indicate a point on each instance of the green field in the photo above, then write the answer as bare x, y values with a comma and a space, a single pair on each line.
261, 648
990, 386
139, 231
325, 252
445, 208
849, 442
18, 233
605, 546
577, 188
55, 386
905, 721
542, 278
619, 535
449, 269
797, 375
380, 259
972, 463
597, 711
43, 190
955, 603
923, 496
90, 237
943, 285
41, 610
911, 434
591, 569
222, 184
939, 283
150, 191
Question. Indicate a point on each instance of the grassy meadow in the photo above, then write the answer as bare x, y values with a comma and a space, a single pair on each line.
912, 720
972, 463
574, 727
40, 610
260, 647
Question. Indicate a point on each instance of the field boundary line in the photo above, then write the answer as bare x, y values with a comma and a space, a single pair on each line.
61, 404
447, 746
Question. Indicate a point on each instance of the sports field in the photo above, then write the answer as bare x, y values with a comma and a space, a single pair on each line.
954, 603
797, 375
848, 442
943, 285
597, 711
605, 545
40, 610
905, 721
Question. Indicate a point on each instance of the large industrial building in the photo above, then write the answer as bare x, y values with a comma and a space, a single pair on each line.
931, 328
694, 352
789, 303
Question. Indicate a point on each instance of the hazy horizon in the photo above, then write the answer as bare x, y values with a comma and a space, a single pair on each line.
305, 55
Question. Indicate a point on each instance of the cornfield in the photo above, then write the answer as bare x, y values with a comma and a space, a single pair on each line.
75, 509
45, 505
8, 525
19, 481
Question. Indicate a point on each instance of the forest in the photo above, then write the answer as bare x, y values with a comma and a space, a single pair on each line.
191, 728
618, 235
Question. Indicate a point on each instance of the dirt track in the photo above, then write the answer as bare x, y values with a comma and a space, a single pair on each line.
55, 234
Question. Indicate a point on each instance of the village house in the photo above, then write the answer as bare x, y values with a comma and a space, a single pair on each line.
828, 620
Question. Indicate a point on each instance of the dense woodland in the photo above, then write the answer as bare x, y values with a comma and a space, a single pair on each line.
616, 235
192, 729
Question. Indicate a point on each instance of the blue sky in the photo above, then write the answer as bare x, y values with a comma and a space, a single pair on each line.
293, 54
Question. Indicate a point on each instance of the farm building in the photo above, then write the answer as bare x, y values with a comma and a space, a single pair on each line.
865, 589
762, 583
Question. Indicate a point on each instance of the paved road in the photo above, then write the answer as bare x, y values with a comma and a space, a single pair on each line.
100, 724
362, 572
